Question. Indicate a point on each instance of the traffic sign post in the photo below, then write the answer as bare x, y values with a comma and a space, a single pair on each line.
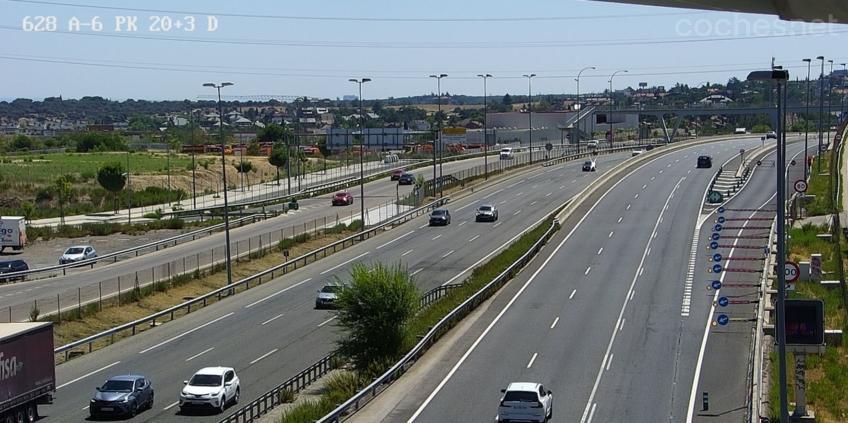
717, 257
722, 319
714, 197
716, 268
800, 186
723, 301
791, 272
714, 245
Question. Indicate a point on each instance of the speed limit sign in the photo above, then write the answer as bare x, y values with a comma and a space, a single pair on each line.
791, 271
801, 186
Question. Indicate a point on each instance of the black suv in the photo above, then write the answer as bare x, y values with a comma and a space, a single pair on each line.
440, 217
705, 162
12, 266
406, 179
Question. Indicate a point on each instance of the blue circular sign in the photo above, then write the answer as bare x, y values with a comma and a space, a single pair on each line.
716, 257
716, 236
714, 245
721, 219
721, 209
717, 228
723, 319
723, 301
716, 284
717, 268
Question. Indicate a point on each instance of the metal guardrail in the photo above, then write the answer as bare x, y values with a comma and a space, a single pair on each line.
114, 255
258, 278
372, 390
267, 401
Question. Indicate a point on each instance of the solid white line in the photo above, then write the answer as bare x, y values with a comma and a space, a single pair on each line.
278, 293
610, 361
610, 234
170, 406
437, 237
264, 356
87, 375
592, 414
473, 238
272, 319
407, 252
202, 352
185, 333
553, 325
416, 272
398, 238
327, 321
600, 250
345, 263
572, 294
588, 269
532, 359
447, 254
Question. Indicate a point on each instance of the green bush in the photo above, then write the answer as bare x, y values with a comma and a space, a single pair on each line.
355, 225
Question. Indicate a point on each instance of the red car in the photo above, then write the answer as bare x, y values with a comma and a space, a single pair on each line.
396, 174
342, 199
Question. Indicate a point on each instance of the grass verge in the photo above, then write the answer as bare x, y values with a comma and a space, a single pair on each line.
108, 228
818, 186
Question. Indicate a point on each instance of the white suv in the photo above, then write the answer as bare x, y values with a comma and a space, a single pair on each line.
214, 387
525, 402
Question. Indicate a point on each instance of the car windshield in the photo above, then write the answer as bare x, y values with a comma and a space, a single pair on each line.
74, 250
333, 289
117, 386
522, 396
5, 265
205, 380
340, 194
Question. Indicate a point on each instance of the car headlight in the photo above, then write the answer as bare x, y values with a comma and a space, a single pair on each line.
126, 399
93, 401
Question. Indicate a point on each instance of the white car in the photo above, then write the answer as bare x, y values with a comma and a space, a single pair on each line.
589, 166
525, 402
327, 296
637, 152
771, 134
77, 253
210, 387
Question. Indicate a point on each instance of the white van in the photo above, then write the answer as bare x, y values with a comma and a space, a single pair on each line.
12, 232
506, 154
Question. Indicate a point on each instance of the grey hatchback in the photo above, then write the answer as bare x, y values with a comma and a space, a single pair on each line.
122, 396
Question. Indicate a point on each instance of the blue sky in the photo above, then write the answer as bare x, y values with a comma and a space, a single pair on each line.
316, 57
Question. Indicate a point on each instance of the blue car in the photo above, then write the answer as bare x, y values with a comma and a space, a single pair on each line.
122, 396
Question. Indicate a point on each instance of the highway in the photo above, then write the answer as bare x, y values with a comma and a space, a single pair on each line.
18, 299
271, 332
597, 317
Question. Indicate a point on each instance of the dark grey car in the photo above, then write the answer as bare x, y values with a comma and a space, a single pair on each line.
440, 217
122, 396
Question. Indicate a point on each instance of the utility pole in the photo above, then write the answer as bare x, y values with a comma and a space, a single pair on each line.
530, 111
821, 112
361, 152
579, 106
193, 154
439, 117
612, 96
807, 120
485, 128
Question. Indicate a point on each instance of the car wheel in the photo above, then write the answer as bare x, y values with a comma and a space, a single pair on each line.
223, 404
150, 403
133, 410
31, 413
238, 394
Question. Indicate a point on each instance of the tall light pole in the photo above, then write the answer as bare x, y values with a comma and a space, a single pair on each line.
361, 151
842, 100
806, 118
530, 111
821, 111
829, 98
439, 117
224, 173
579, 107
612, 96
193, 153
129, 191
485, 128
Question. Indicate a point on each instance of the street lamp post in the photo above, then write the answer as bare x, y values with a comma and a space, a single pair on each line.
829, 98
579, 106
842, 100
530, 111
129, 191
439, 117
609, 118
359, 82
807, 118
485, 128
224, 176
193, 153
821, 111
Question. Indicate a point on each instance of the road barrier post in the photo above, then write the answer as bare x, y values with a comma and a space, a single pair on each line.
705, 399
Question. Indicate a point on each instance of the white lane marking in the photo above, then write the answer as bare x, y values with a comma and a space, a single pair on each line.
661, 171
588, 269
512, 301
548, 194
416, 272
628, 207
532, 359
649, 251
463, 222
620, 219
278, 293
561, 186
327, 321
636, 196
496, 225
503, 202
186, 333
519, 194
86, 407
653, 177
87, 375
644, 186
517, 212
688, 172
534, 202
460, 208
592, 414
345, 263
553, 325
272, 319
396, 239
170, 406
437, 237
572, 294
489, 195
621, 326
600, 250
610, 234
424, 226
620, 320
574, 181
407, 252
609, 362
642, 270
447, 254
632, 293
202, 352
264, 356
473, 238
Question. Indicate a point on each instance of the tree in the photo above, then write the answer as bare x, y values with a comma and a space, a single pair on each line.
278, 159
113, 179
375, 309
62, 186
271, 133
22, 142
507, 100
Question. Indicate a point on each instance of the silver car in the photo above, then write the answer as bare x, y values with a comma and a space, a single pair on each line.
327, 296
77, 253
486, 212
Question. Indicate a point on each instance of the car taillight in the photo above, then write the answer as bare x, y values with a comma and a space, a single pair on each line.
504, 404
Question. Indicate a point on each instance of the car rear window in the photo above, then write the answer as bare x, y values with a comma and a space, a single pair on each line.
485, 208
205, 380
438, 212
522, 396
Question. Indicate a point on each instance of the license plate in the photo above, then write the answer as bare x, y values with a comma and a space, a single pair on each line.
107, 409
